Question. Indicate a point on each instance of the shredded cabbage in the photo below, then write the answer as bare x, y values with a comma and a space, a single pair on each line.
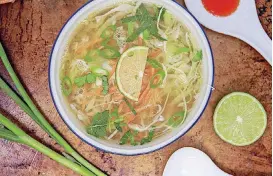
121, 8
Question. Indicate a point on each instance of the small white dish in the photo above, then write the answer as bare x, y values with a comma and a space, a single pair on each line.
76, 126
191, 162
243, 24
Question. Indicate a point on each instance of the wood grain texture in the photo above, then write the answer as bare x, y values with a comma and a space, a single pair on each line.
28, 29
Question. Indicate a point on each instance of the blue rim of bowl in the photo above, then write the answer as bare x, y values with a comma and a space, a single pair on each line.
202, 112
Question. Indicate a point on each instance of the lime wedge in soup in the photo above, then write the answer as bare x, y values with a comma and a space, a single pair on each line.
130, 70
240, 119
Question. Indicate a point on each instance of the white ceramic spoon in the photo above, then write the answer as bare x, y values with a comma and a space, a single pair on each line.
243, 24
191, 162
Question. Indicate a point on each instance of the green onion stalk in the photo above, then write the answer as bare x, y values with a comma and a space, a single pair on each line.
29, 107
13, 133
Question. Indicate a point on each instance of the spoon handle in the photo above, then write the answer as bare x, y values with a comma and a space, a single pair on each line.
252, 32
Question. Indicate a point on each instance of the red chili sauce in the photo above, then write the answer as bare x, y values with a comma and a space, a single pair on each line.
221, 7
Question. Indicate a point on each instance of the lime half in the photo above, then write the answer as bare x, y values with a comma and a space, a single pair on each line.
130, 71
240, 119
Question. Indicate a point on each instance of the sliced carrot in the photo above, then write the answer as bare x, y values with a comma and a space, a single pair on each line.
147, 97
154, 53
144, 93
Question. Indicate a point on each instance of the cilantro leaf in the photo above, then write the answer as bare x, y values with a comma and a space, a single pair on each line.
147, 22
149, 138
124, 139
99, 124
129, 136
80, 81
143, 14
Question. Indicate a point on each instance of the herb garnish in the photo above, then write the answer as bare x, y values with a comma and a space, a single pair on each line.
99, 124
129, 136
149, 138
147, 22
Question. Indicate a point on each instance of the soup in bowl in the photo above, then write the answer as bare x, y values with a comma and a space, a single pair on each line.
130, 77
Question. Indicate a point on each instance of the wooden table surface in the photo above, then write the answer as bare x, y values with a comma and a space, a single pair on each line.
28, 29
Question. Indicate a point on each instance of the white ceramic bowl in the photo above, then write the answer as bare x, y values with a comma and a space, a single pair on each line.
75, 125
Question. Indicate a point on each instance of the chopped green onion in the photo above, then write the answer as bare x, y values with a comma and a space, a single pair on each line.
198, 56
177, 119
146, 35
91, 55
109, 53
154, 63
66, 86
99, 71
105, 85
91, 78
130, 106
130, 28
182, 50
108, 32
161, 76
80, 81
